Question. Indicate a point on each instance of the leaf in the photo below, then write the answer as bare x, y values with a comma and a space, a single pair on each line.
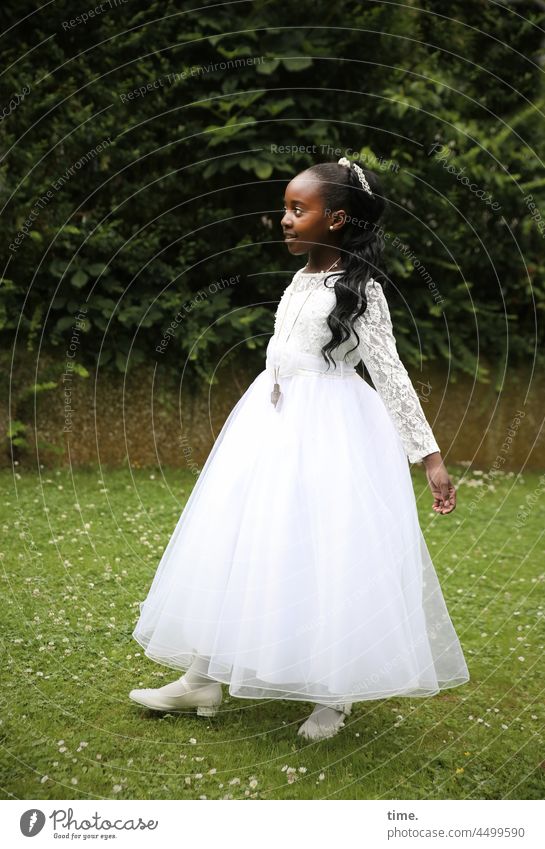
120, 361
36, 388
64, 323
263, 170
79, 279
297, 63
537, 183
96, 268
276, 107
233, 127
105, 356
80, 370
57, 267
15, 427
268, 66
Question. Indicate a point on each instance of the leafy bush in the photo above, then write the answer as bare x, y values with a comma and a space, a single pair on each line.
133, 181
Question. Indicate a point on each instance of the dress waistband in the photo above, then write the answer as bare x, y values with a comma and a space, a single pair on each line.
290, 361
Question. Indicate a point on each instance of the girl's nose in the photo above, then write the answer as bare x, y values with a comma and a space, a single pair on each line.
286, 219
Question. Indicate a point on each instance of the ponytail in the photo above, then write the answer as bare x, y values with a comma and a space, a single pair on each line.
361, 247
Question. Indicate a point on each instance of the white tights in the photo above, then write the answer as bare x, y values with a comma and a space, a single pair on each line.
196, 674
323, 719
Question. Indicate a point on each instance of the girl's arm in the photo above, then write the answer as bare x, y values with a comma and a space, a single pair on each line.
378, 351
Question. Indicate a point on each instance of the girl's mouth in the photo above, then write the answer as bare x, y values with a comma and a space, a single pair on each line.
289, 238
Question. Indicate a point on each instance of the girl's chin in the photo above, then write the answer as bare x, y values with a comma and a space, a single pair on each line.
296, 247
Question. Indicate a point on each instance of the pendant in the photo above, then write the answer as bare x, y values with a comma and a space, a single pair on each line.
275, 394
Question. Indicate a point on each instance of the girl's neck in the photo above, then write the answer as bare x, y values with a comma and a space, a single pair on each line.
323, 260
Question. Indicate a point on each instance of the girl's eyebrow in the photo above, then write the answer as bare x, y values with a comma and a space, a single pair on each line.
300, 202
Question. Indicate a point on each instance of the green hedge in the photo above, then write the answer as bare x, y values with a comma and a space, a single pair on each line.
138, 167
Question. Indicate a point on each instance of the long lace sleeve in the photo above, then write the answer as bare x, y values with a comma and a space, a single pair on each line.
378, 351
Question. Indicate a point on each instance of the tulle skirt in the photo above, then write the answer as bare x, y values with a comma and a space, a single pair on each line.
298, 568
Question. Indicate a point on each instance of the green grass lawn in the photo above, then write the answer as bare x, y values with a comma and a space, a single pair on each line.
78, 554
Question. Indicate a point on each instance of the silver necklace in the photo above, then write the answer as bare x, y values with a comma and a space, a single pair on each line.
275, 394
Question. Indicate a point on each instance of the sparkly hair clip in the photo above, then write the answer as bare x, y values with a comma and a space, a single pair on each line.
361, 176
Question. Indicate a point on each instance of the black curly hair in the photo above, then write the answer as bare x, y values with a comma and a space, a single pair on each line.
361, 246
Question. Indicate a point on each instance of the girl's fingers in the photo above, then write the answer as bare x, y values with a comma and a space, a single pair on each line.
444, 497
445, 493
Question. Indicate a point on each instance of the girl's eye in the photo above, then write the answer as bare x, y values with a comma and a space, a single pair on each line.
297, 209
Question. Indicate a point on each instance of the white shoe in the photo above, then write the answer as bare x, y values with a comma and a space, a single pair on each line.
180, 696
321, 724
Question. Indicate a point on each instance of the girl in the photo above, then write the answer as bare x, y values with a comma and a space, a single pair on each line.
298, 569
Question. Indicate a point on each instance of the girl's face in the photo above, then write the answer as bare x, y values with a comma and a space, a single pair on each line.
305, 225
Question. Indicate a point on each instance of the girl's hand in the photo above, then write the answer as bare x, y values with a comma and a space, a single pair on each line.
442, 488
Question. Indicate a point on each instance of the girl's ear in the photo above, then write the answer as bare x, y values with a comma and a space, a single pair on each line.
338, 219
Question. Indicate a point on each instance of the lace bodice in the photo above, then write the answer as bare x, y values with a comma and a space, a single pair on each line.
308, 296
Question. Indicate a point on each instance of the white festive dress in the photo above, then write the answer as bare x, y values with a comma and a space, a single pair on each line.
298, 567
